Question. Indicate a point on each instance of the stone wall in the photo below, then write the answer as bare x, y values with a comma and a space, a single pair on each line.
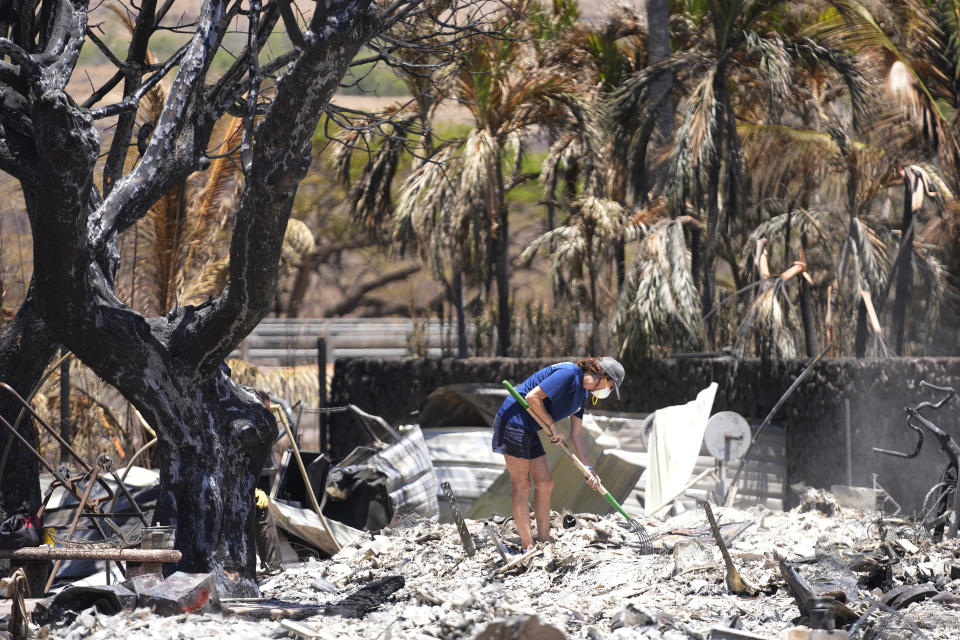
878, 391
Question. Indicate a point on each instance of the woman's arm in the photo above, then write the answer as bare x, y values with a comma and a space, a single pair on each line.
576, 436
535, 398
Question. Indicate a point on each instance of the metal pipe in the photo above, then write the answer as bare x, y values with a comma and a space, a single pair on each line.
306, 482
95, 553
50, 430
846, 425
322, 397
65, 431
773, 412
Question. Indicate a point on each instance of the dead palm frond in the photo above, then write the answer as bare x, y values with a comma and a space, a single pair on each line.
775, 67
180, 230
912, 77
821, 224
659, 308
695, 146
589, 235
209, 282
870, 259
768, 325
779, 155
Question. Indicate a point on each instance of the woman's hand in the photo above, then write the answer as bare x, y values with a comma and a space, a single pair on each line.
557, 438
593, 480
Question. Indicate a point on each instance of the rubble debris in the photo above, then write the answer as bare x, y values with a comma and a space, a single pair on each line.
903, 596
182, 593
502, 550
691, 555
16, 586
468, 545
270, 608
521, 560
107, 599
860, 498
631, 616
804, 594
726, 633
822, 611
812, 498
302, 630
587, 577
141, 584
367, 599
805, 633
734, 581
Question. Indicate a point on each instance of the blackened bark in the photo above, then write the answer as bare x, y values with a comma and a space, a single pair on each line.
214, 437
811, 340
708, 278
502, 245
860, 340
26, 350
658, 49
457, 294
904, 263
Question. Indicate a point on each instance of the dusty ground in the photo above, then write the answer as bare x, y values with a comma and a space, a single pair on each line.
591, 583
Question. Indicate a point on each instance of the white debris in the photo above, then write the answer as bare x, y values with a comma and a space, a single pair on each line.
590, 583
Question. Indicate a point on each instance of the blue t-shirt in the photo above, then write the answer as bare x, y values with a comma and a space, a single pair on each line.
563, 384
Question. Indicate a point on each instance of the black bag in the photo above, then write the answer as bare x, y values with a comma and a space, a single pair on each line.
22, 529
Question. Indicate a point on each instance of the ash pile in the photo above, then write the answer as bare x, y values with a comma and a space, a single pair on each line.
820, 571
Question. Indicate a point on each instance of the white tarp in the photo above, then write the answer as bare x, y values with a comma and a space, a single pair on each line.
674, 447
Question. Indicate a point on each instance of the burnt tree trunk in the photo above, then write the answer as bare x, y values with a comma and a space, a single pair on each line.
26, 350
904, 263
457, 295
501, 262
810, 339
213, 444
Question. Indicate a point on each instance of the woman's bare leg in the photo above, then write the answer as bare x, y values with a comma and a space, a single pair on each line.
519, 470
542, 486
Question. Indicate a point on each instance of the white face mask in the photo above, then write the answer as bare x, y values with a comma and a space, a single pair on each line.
600, 394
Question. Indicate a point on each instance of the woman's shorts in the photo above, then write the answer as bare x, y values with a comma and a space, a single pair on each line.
510, 440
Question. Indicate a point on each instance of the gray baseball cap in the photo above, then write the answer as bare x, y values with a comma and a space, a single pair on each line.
614, 371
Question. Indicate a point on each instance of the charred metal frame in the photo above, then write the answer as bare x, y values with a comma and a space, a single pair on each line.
79, 486
945, 508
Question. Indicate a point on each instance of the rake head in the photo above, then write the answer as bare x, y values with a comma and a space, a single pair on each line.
646, 542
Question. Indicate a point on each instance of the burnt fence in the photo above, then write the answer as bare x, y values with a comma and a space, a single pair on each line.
867, 395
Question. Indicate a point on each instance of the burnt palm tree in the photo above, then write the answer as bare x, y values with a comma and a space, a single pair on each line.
578, 248
745, 46
506, 95
916, 54
658, 309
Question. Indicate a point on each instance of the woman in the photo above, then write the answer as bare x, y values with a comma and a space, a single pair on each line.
554, 393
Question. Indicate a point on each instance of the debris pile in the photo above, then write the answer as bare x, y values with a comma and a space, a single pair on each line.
870, 576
